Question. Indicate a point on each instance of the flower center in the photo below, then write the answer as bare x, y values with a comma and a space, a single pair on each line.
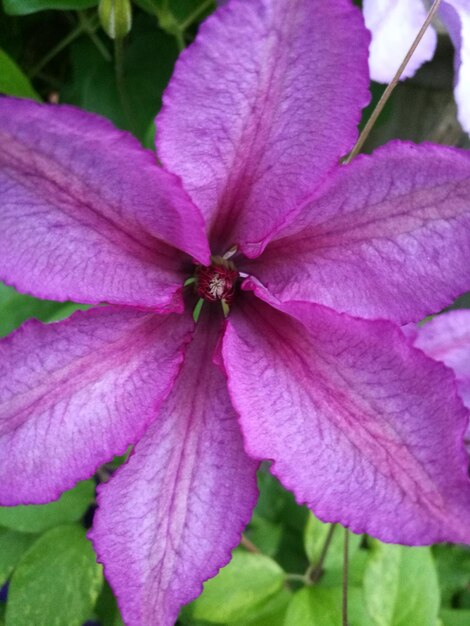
215, 283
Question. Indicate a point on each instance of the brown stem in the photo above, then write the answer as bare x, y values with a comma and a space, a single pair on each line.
249, 545
317, 570
391, 86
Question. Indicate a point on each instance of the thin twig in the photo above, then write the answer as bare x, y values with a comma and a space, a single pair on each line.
179, 37
90, 29
249, 545
195, 14
391, 86
63, 43
345, 576
121, 81
317, 570
83, 27
300, 578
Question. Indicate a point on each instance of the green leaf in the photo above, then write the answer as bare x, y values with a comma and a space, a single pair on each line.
149, 56
264, 534
278, 505
24, 7
317, 606
451, 617
271, 612
315, 536
57, 581
106, 609
401, 586
313, 606
243, 584
15, 308
34, 518
12, 80
357, 612
12, 547
453, 567
178, 13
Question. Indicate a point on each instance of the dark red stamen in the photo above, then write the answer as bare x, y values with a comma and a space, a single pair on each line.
216, 282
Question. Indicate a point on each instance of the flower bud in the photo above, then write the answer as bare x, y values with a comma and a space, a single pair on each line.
115, 17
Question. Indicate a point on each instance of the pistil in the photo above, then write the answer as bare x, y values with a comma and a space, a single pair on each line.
214, 283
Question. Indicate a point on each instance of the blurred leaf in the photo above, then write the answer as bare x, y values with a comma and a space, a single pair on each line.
272, 497
315, 536
462, 303
357, 612
177, 12
278, 505
312, 606
464, 598
269, 613
264, 534
12, 547
244, 583
316, 606
149, 56
15, 308
12, 80
107, 609
34, 518
23, 7
57, 582
184, 9
333, 577
453, 567
401, 586
455, 617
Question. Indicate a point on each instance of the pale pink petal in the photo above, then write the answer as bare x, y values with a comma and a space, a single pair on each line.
456, 16
86, 213
361, 426
260, 107
76, 393
394, 25
169, 518
446, 338
388, 237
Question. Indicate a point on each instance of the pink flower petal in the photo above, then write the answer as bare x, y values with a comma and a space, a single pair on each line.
86, 213
361, 426
388, 237
169, 518
394, 25
456, 16
260, 108
75, 393
446, 338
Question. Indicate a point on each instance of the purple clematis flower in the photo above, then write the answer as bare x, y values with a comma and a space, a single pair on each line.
316, 264
446, 338
395, 23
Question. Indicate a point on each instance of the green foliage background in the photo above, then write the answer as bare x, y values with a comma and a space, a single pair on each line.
281, 575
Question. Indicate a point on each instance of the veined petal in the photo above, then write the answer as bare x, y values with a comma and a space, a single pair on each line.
388, 237
456, 16
394, 25
446, 338
87, 214
75, 393
260, 108
169, 518
361, 426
